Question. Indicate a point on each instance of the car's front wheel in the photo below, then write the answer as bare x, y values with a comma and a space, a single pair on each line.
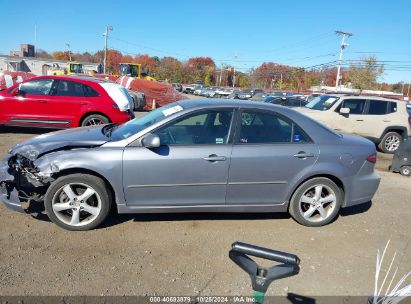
77, 202
390, 142
316, 202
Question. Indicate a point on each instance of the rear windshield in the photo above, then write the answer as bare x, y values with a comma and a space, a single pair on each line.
322, 103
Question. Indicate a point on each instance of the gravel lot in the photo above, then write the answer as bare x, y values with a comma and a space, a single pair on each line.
187, 254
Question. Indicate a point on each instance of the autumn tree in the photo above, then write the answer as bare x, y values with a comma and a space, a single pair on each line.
200, 68
170, 69
60, 55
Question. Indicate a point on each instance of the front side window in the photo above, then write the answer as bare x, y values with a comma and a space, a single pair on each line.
356, 106
377, 107
37, 87
208, 127
263, 127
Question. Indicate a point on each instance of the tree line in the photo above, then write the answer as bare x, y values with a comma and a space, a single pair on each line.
362, 75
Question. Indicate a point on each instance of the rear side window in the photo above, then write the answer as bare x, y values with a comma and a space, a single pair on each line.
377, 107
69, 88
356, 106
262, 127
89, 92
392, 108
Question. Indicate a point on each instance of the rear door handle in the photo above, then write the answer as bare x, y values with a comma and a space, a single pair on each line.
360, 119
42, 101
303, 154
214, 158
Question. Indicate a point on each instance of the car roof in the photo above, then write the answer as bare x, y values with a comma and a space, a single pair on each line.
355, 96
200, 103
73, 77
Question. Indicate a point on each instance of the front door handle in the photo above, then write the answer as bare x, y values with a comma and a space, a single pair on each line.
360, 119
42, 101
303, 154
214, 158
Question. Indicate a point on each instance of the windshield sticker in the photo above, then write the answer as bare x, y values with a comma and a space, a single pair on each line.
219, 140
175, 109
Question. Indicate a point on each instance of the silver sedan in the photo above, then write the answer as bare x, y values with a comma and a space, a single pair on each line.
193, 156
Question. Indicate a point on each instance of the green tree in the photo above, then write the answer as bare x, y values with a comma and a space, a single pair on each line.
364, 75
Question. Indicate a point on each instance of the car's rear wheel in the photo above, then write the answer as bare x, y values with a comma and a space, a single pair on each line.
390, 142
316, 202
94, 119
405, 170
77, 202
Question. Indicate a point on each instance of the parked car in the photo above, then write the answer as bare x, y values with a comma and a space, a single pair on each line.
258, 97
286, 101
384, 121
139, 100
178, 87
65, 102
401, 161
233, 94
193, 156
223, 92
189, 89
248, 93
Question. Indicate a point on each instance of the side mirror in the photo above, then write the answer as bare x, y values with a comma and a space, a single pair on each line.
345, 111
151, 141
19, 92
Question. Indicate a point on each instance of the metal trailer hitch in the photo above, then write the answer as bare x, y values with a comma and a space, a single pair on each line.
261, 278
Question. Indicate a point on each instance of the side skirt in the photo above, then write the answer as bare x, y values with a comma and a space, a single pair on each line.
204, 208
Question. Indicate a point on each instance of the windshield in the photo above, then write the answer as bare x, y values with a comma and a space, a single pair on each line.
76, 68
322, 103
136, 125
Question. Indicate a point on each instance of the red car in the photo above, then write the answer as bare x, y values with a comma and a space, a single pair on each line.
64, 102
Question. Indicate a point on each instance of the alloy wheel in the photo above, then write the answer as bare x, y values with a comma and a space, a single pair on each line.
317, 203
76, 204
392, 143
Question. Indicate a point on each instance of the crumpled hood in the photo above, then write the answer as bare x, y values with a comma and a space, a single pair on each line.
70, 138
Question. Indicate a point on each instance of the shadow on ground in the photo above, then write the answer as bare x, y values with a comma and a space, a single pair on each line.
25, 130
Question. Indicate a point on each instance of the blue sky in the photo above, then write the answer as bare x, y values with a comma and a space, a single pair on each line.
299, 33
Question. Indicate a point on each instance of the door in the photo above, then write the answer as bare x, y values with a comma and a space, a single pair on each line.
350, 123
189, 168
29, 106
378, 116
66, 101
269, 155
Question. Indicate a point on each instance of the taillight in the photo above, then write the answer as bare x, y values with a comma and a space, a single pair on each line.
372, 158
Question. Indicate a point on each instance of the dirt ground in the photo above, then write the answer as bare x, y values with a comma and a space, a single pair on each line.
187, 254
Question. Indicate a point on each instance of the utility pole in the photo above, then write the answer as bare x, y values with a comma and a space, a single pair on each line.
408, 91
235, 57
108, 28
342, 47
68, 47
221, 74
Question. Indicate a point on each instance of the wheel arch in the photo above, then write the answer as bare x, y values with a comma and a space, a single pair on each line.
331, 177
399, 129
69, 171
92, 113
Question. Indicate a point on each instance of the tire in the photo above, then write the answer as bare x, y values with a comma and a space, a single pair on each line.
405, 170
308, 191
93, 120
75, 213
390, 142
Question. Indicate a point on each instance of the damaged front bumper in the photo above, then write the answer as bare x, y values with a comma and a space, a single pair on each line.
8, 192
11, 200
20, 182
